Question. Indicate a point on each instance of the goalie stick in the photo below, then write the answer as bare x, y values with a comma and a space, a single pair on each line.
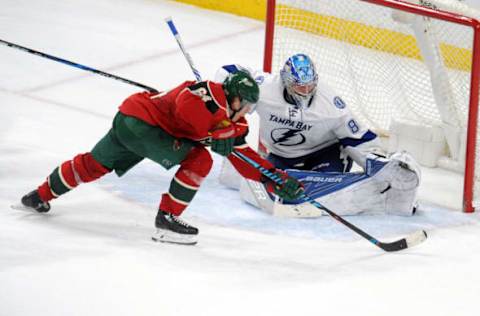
76, 65
407, 242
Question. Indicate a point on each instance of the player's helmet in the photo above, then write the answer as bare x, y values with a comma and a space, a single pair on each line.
300, 78
241, 84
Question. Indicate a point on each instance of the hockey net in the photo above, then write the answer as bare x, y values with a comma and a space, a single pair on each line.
400, 66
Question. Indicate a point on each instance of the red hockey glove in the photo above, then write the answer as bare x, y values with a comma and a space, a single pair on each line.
223, 140
290, 189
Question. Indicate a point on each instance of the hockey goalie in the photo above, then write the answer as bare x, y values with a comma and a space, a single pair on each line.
308, 131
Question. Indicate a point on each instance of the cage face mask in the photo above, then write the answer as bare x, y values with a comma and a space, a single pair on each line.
300, 78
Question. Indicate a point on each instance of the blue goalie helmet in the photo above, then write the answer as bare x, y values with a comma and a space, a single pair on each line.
300, 78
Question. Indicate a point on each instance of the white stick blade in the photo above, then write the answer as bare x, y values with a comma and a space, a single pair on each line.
416, 238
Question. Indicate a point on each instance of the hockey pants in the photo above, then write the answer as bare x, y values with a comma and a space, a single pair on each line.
127, 143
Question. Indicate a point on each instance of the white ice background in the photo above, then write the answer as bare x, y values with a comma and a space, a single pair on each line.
92, 254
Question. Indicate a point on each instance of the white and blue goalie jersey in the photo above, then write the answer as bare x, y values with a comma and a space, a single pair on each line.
291, 132
387, 186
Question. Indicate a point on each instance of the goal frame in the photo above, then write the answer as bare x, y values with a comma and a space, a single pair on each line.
469, 175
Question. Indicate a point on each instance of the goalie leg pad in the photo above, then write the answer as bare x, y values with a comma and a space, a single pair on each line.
347, 193
407, 174
229, 176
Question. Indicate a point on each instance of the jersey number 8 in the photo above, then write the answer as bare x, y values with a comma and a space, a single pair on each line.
353, 126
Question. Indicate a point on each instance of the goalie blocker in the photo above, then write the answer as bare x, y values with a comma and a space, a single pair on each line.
389, 186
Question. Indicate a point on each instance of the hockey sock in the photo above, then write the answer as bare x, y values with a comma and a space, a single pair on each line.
82, 168
183, 187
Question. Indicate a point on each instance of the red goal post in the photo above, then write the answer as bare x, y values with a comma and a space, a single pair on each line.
294, 26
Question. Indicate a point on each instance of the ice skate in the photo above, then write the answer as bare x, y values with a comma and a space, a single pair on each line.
171, 229
32, 201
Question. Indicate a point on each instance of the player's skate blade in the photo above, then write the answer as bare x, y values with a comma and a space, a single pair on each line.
21, 207
167, 236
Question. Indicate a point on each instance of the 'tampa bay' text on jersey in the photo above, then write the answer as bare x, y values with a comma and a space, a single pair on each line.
290, 132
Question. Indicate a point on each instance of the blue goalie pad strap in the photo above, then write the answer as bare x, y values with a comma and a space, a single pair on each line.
368, 136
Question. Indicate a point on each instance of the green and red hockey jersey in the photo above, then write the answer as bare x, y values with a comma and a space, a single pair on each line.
193, 110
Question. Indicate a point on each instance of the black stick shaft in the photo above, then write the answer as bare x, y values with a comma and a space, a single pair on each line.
76, 65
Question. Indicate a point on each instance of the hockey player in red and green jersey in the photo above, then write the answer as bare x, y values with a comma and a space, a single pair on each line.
171, 128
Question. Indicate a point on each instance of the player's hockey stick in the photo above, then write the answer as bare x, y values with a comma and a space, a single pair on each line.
79, 66
407, 242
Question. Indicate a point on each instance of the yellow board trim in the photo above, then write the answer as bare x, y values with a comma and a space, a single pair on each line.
331, 27
255, 9
357, 34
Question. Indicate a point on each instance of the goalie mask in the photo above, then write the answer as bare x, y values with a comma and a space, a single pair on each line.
241, 84
300, 79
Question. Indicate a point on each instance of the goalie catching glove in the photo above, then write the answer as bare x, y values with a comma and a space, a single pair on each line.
290, 189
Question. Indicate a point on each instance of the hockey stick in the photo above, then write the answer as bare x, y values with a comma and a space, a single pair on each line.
79, 66
410, 241
175, 33
407, 242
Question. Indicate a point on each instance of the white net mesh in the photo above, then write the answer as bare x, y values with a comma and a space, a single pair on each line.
376, 63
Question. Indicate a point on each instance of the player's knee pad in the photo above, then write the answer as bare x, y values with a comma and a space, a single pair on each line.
183, 187
84, 168
196, 166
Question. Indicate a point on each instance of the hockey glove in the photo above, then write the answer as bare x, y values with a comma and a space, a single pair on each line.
290, 189
223, 140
